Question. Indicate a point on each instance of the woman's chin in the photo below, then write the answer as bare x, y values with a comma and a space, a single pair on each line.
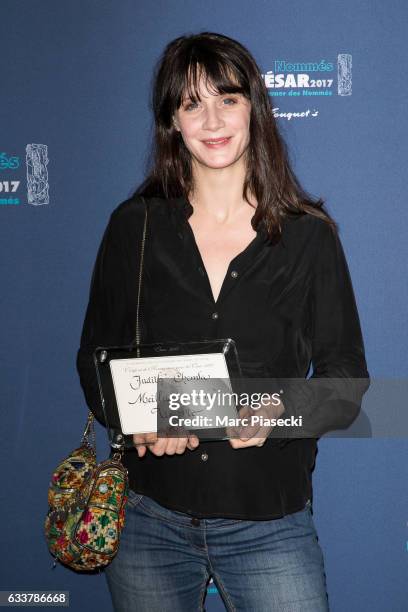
219, 164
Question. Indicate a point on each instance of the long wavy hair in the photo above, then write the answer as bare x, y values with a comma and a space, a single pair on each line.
227, 67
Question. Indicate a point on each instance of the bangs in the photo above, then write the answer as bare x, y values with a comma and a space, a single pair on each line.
219, 78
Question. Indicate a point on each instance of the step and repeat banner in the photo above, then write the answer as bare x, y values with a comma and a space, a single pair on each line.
75, 130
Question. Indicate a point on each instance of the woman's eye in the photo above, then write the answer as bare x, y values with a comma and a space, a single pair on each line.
190, 105
230, 100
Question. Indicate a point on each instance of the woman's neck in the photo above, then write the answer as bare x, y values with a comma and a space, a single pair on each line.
218, 192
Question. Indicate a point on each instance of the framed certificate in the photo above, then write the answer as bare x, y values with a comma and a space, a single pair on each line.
169, 387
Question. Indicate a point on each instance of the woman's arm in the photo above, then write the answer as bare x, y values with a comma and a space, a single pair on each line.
110, 318
331, 399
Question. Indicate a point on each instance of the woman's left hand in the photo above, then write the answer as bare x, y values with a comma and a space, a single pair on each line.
254, 435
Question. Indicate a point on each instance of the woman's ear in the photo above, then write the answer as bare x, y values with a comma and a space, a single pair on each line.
176, 125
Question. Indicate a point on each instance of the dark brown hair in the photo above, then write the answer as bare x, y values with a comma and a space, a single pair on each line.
228, 67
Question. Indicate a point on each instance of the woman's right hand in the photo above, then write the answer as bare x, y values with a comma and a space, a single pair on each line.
163, 445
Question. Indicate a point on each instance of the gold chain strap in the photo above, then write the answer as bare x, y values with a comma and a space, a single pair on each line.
137, 337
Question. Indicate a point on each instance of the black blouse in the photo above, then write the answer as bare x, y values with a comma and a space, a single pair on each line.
286, 305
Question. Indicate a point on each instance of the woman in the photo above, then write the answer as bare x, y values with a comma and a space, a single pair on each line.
234, 248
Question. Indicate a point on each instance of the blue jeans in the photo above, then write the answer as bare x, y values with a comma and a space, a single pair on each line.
166, 558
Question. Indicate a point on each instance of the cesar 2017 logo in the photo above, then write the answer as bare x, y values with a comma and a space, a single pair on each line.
37, 175
299, 78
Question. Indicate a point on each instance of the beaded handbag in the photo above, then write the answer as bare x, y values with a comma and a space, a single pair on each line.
86, 506
86, 499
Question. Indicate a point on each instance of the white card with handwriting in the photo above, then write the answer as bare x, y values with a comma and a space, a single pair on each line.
135, 384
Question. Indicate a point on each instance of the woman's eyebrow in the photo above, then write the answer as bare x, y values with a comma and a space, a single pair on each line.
218, 93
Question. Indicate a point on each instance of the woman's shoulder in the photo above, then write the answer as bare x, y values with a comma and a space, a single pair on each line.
309, 226
127, 218
134, 206
133, 209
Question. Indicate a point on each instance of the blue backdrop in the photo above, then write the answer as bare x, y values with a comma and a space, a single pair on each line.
75, 78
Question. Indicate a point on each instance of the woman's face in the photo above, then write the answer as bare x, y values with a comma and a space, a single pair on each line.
216, 129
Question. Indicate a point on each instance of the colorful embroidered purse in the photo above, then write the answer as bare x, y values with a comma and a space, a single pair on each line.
86, 507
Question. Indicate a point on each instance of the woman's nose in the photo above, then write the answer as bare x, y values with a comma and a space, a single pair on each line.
212, 118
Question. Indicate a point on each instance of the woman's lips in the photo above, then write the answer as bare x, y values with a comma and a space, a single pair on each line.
216, 143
